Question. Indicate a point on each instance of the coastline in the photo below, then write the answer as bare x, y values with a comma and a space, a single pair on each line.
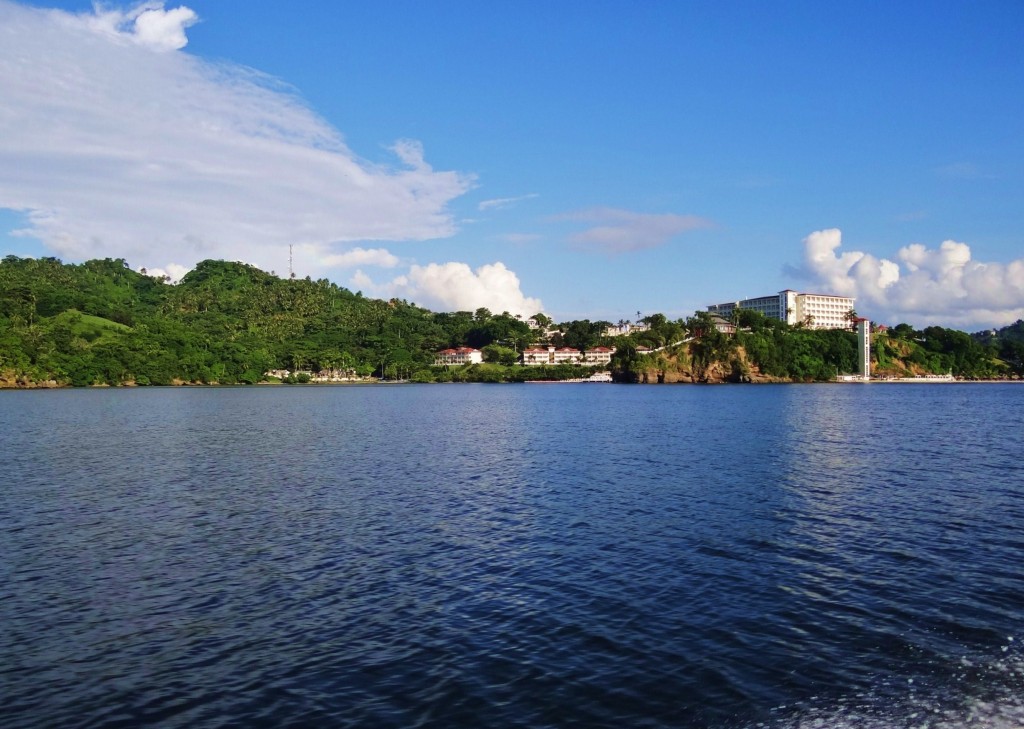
6, 385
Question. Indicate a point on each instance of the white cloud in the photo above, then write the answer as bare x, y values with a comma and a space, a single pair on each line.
361, 282
114, 144
360, 257
933, 286
504, 202
173, 271
618, 231
454, 286
147, 24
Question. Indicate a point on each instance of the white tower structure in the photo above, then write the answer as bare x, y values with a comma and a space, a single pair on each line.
864, 347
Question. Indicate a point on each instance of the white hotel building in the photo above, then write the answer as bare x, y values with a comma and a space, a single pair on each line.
567, 355
459, 356
826, 311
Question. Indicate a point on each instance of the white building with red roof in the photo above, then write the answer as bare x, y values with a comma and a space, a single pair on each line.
598, 355
459, 356
567, 355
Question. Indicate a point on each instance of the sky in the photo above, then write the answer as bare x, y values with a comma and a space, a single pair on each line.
601, 160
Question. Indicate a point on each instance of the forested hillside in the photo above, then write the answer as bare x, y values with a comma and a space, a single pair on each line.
102, 323
764, 349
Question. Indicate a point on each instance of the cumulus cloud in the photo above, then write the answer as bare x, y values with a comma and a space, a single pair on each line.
361, 282
926, 286
454, 286
113, 143
616, 231
173, 272
147, 24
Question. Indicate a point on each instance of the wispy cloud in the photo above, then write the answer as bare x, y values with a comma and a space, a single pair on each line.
963, 171
360, 257
923, 286
617, 231
115, 143
519, 238
504, 202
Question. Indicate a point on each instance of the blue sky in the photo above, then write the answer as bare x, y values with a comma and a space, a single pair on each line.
593, 160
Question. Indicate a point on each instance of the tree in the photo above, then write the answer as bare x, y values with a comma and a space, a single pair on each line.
497, 354
904, 331
583, 334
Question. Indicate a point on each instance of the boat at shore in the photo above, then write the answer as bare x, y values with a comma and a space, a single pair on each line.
596, 377
923, 378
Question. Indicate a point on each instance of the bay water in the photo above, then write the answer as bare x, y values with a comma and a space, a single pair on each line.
540, 555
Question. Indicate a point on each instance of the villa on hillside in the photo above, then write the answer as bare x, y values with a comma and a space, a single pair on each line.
459, 356
819, 311
723, 325
625, 328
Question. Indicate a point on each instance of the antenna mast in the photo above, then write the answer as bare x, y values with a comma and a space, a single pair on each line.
291, 271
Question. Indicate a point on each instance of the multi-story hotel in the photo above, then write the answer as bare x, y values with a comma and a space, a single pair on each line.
823, 311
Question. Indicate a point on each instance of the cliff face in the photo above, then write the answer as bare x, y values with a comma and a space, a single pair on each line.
683, 369
9, 380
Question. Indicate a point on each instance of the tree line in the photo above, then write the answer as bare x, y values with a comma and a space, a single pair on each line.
100, 322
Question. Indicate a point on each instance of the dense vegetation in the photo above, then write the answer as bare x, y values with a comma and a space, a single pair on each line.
102, 323
767, 348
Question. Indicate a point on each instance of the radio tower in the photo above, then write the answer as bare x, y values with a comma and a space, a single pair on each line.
291, 271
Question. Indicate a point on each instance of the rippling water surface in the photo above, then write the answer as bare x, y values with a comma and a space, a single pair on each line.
518, 556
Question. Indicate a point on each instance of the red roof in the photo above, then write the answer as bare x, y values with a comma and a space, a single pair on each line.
460, 350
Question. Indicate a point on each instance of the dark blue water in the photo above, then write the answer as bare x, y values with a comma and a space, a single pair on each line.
515, 556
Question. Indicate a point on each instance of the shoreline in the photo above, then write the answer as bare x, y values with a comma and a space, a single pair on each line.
52, 385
